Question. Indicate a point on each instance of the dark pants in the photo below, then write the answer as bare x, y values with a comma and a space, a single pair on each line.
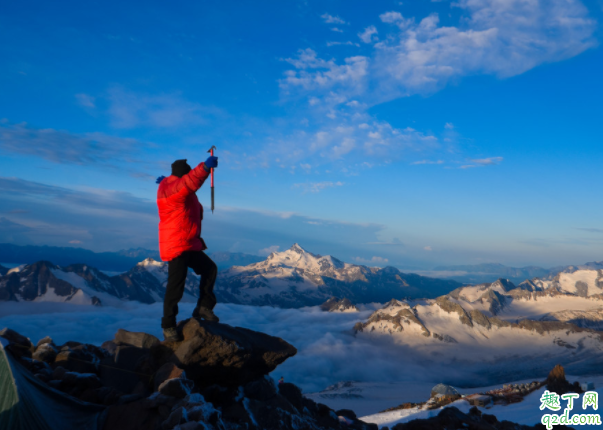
203, 266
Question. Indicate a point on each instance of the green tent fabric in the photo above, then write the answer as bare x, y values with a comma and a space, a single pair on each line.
26, 403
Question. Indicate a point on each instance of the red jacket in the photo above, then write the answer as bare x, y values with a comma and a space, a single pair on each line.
180, 214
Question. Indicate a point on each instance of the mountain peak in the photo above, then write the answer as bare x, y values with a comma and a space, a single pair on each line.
297, 248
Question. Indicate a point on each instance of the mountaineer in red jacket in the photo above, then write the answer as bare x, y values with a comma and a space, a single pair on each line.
180, 242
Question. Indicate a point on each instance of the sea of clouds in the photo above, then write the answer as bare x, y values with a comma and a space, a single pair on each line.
328, 351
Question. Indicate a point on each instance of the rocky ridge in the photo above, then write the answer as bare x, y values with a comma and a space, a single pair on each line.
216, 378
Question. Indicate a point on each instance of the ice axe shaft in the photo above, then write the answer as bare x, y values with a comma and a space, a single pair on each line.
211, 151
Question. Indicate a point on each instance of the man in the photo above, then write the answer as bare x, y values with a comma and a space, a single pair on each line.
180, 242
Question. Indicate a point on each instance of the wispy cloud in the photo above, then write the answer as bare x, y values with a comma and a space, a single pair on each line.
590, 230
269, 250
427, 162
330, 19
493, 38
316, 187
491, 161
64, 147
129, 109
85, 100
373, 260
369, 34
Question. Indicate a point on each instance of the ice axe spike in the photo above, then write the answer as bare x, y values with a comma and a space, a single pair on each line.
211, 151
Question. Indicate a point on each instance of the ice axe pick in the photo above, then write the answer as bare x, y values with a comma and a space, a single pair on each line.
211, 151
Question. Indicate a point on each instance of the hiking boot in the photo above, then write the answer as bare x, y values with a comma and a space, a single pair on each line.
172, 334
206, 314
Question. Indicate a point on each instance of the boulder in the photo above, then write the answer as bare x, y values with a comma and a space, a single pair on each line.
293, 394
444, 390
79, 360
260, 389
137, 339
178, 388
16, 338
43, 341
167, 371
218, 353
45, 352
178, 416
122, 371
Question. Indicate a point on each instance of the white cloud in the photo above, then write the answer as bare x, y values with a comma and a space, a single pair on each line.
315, 73
449, 126
488, 161
269, 250
503, 38
428, 162
428, 248
337, 30
369, 34
131, 110
348, 43
491, 161
85, 100
316, 187
396, 18
374, 260
330, 19
493, 37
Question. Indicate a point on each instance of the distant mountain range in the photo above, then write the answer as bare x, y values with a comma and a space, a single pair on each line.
296, 278
293, 279
489, 272
535, 325
120, 261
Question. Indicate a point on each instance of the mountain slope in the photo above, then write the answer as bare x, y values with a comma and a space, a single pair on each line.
538, 323
81, 284
296, 278
120, 261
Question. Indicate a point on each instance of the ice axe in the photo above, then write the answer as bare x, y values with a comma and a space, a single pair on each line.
211, 151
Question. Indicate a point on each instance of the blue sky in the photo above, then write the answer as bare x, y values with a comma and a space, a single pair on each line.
406, 133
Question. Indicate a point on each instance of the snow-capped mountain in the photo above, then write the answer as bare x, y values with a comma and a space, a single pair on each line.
81, 284
538, 322
334, 304
296, 278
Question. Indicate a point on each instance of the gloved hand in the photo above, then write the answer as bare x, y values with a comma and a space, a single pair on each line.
159, 179
211, 163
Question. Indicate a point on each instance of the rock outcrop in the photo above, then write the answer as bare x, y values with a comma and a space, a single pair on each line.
216, 378
452, 418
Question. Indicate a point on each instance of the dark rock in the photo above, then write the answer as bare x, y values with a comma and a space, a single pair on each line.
178, 416
452, 418
167, 371
178, 388
45, 352
80, 360
43, 341
139, 415
218, 353
19, 345
190, 426
86, 380
122, 371
293, 394
43, 377
261, 389
58, 373
557, 383
109, 346
137, 339
346, 413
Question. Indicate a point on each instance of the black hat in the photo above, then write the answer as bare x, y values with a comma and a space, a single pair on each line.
180, 168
